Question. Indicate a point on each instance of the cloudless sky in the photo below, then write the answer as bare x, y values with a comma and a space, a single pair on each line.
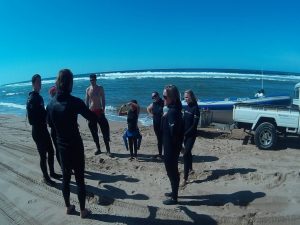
39, 36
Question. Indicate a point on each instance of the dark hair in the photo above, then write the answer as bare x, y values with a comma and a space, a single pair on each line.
64, 81
191, 93
34, 77
93, 76
173, 94
134, 101
155, 93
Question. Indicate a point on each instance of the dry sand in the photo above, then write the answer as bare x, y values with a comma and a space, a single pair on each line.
234, 182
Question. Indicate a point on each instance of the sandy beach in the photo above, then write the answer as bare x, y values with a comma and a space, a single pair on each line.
234, 182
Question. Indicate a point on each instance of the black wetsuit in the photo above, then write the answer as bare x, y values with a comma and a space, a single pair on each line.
191, 118
172, 130
63, 111
53, 137
132, 120
104, 126
37, 118
157, 111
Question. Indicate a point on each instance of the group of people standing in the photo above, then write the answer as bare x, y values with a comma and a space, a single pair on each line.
174, 128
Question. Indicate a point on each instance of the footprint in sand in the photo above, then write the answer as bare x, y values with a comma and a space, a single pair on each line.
32, 201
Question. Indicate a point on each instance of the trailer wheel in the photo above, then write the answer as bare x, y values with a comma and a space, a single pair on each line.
265, 136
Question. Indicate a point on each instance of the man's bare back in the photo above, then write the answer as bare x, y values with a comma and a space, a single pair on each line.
95, 98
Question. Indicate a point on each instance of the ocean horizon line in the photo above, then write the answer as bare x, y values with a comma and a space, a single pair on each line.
177, 70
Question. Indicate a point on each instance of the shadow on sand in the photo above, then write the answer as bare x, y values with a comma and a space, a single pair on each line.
241, 198
195, 218
216, 174
110, 192
105, 178
288, 142
141, 157
211, 134
202, 159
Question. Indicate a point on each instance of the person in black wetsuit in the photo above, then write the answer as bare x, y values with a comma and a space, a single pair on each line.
172, 131
37, 118
132, 132
156, 110
191, 117
52, 92
62, 112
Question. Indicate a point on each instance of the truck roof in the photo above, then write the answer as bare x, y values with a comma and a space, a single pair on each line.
297, 85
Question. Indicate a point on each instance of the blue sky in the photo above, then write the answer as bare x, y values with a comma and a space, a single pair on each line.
100, 35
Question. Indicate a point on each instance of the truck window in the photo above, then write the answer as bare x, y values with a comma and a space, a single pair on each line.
296, 93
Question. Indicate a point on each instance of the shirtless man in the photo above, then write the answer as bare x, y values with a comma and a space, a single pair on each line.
95, 100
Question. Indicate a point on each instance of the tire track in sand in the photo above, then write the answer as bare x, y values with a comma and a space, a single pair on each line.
120, 208
14, 215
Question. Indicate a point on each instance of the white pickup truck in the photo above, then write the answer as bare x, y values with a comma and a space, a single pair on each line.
266, 122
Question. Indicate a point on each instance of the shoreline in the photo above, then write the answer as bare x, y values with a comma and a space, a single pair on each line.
233, 183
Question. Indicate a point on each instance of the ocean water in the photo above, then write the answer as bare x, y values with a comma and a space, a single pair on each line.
121, 87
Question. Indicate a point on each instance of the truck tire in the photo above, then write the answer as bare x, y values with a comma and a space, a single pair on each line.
265, 136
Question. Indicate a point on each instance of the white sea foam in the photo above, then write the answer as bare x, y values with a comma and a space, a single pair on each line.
13, 93
198, 75
110, 108
19, 84
29, 83
51, 81
13, 105
145, 120
82, 78
187, 75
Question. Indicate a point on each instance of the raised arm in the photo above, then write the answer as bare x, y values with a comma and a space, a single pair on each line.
121, 112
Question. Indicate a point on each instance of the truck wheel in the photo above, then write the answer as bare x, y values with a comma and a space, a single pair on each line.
265, 136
